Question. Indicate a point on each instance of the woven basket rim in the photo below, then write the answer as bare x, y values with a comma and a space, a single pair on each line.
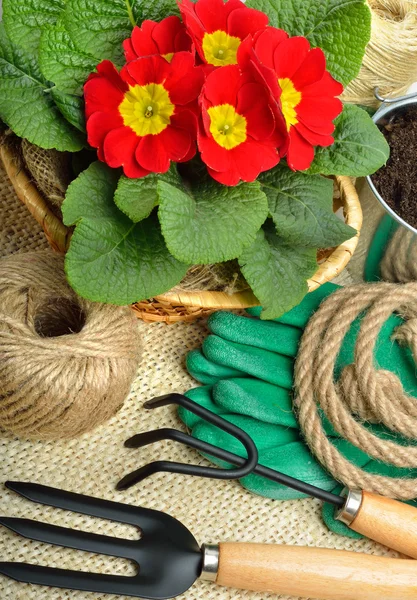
59, 235
328, 269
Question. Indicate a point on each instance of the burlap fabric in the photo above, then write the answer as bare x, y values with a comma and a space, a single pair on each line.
19, 232
213, 511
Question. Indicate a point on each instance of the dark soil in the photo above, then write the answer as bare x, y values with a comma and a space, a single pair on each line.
397, 181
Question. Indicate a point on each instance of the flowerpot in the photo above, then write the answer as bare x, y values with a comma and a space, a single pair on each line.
181, 305
386, 115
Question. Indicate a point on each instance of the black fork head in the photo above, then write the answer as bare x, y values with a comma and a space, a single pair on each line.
167, 555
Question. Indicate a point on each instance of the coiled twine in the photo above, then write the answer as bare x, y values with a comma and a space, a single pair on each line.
66, 364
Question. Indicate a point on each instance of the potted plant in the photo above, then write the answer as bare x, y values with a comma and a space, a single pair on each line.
215, 128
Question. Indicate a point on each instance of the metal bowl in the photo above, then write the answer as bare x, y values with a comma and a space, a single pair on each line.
388, 109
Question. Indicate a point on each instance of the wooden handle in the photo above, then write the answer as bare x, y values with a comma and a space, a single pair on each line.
316, 572
388, 522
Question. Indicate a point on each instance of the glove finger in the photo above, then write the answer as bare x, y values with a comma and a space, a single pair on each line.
300, 315
271, 367
207, 371
202, 396
292, 459
257, 399
264, 435
276, 337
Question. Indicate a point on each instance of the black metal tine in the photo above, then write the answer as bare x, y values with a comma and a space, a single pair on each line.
149, 437
168, 555
244, 469
71, 538
158, 435
146, 519
77, 580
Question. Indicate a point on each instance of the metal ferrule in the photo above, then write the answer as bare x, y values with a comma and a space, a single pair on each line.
348, 513
210, 562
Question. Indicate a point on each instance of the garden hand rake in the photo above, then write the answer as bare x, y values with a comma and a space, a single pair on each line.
170, 559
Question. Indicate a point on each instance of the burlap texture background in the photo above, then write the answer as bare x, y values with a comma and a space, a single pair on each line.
214, 511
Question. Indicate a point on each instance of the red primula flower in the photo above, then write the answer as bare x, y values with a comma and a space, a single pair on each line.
140, 119
164, 38
218, 27
306, 92
239, 138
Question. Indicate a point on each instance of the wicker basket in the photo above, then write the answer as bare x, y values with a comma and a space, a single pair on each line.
177, 306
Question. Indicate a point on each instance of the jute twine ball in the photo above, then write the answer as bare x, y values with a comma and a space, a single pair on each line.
66, 364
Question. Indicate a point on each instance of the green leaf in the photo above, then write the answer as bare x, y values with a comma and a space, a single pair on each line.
138, 197
98, 27
342, 28
24, 19
301, 207
71, 107
359, 149
61, 62
277, 271
206, 222
26, 103
111, 259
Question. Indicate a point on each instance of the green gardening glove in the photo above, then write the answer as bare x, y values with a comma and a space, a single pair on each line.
245, 347
250, 363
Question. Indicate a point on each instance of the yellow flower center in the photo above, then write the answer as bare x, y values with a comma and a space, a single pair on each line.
220, 48
227, 127
168, 56
147, 109
290, 99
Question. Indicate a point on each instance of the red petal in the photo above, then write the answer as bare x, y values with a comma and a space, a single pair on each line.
212, 14
213, 155
248, 159
191, 153
105, 90
315, 139
170, 35
107, 69
184, 81
206, 120
130, 54
142, 41
245, 52
183, 41
318, 112
99, 125
119, 151
186, 119
253, 103
226, 177
289, 56
176, 142
244, 21
222, 85
191, 20
270, 157
300, 153
327, 86
151, 154
149, 69
311, 70
265, 44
